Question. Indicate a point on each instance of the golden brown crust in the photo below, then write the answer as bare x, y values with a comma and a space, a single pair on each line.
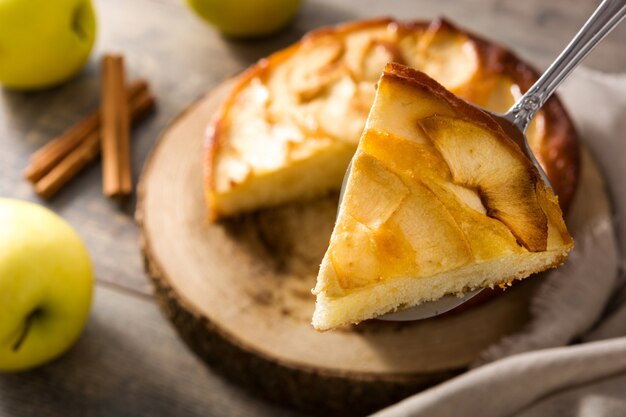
559, 150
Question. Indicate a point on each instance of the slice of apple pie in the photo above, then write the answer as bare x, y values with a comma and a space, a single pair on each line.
438, 201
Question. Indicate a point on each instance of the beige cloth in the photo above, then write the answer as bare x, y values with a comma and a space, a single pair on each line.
534, 373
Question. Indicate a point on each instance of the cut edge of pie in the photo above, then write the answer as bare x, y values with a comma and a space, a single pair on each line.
438, 201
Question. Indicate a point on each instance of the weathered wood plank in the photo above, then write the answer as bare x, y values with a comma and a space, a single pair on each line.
129, 362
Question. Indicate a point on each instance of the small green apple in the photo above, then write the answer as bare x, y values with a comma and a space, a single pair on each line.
46, 283
246, 18
44, 42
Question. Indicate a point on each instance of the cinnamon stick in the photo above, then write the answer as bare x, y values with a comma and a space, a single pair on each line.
114, 129
87, 150
42, 161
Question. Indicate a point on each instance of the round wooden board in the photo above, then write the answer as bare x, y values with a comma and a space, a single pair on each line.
239, 293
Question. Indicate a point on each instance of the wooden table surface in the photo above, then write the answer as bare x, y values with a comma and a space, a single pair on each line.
129, 361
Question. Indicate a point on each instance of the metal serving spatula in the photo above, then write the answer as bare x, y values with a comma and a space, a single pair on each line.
515, 121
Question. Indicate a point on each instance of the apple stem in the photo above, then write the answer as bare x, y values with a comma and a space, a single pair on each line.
25, 329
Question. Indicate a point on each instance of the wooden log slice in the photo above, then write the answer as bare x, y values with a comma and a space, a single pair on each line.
239, 294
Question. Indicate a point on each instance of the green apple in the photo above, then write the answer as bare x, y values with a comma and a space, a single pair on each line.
44, 42
246, 18
46, 283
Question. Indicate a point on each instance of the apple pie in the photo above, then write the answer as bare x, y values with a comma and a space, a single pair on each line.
291, 123
438, 201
